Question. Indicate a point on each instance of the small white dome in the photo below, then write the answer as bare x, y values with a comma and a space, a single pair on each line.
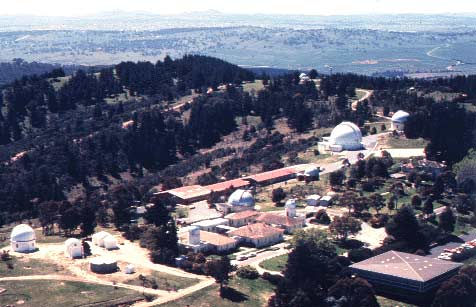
23, 233
347, 135
241, 198
312, 171
302, 75
290, 204
72, 242
400, 116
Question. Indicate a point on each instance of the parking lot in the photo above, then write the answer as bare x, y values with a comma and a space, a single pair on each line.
435, 252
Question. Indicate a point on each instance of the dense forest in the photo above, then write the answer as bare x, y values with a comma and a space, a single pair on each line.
65, 138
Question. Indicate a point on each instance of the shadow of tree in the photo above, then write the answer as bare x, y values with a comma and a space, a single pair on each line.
233, 295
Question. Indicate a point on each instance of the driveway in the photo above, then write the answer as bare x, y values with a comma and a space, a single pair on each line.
436, 251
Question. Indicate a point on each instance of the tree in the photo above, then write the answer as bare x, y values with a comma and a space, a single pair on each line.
322, 217
428, 207
122, 198
247, 272
447, 220
352, 292
278, 195
377, 202
312, 74
458, 290
404, 225
309, 269
391, 203
157, 214
336, 178
348, 200
416, 201
219, 269
343, 226
87, 219
70, 217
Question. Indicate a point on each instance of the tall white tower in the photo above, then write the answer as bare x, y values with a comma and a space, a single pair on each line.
290, 208
194, 235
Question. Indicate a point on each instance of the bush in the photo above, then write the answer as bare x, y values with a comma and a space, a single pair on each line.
247, 272
379, 221
272, 278
322, 217
360, 254
368, 187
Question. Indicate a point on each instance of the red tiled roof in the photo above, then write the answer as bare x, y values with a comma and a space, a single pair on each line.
223, 186
254, 231
242, 215
278, 219
282, 172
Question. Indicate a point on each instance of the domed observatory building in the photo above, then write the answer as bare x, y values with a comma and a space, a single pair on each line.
73, 248
345, 136
241, 200
23, 239
398, 120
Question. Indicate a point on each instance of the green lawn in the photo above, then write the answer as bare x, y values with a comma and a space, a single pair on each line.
256, 86
275, 264
65, 294
166, 281
247, 293
385, 302
27, 266
402, 142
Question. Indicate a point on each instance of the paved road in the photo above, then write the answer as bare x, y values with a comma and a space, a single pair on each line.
435, 252
369, 141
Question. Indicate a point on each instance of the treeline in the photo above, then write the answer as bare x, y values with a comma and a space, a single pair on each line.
17, 68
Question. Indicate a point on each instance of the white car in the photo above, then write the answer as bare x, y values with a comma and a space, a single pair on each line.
241, 258
251, 255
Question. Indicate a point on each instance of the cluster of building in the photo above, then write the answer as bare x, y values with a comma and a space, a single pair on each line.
243, 225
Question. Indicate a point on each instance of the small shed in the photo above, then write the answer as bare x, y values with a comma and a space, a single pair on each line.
73, 248
110, 242
130, 269
313, 200
325, 201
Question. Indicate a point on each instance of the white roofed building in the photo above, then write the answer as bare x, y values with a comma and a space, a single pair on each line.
398, 120
345, 136
240, 200
23, 239
73, 248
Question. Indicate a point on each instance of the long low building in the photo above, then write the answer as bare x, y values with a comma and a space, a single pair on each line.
405, 274
194, 193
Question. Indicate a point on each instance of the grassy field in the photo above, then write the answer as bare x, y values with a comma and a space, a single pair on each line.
385, 302
26, 266
245, 293
256, 86
57, 293
166, 281
275, 264
403, 142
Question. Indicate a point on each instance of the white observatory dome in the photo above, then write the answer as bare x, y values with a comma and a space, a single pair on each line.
347, 135
400, 116
290, 204
23, 233
241, 198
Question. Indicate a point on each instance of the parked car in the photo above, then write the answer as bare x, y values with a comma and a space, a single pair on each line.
241, 258
251, 255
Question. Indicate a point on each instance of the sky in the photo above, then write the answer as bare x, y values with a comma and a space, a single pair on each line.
306, 7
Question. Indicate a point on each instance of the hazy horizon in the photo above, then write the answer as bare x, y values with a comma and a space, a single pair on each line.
58, 8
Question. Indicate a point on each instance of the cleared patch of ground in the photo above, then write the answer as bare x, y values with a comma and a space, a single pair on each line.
244, 293
59, 293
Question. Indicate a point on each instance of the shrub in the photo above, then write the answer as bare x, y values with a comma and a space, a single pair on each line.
247, 272
360, 254
322, 217
368, 187
379, 221
272, 278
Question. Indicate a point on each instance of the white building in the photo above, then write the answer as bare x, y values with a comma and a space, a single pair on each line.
130, 269
103, 265
313, 200
240, 200
23, 239
290, 208
196, 240
345, 136
398, 120
258, 234
310, 173
210, 225
73, 248
110, 242
104, 239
